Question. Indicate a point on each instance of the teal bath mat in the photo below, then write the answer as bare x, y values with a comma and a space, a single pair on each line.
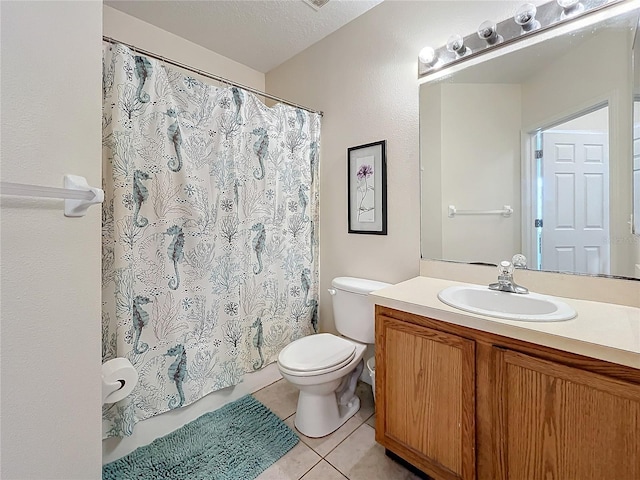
236, 442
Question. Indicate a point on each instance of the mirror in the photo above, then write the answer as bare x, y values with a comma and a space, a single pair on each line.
531, 152
636, 134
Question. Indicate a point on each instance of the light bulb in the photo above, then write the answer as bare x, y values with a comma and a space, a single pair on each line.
456, 45
570, 8
427, 56
567, 4
488, 32
526, 17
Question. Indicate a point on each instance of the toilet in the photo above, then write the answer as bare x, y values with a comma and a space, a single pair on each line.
326, 367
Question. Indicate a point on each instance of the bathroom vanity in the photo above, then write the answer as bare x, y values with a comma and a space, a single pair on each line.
464, 396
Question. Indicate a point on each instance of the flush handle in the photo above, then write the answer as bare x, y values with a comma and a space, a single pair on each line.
332, 291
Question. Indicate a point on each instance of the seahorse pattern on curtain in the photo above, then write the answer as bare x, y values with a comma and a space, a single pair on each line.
210, 233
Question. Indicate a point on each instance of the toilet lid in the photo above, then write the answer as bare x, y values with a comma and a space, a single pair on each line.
317, 352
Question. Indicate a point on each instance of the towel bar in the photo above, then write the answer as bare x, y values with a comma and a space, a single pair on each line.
77, 194
505, 212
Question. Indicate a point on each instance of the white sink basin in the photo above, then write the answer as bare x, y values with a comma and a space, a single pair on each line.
530, 307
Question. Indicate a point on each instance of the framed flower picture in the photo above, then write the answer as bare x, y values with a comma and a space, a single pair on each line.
367, 188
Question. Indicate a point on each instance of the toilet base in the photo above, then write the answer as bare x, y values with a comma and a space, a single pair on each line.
319, 415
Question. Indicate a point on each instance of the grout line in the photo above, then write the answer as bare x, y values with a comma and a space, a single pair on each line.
334, 466
340, 443
312, 467
300, 435
341, 473
362, 422
352, 432
324, 457
368, 426
283, 419
266, 386
372, 415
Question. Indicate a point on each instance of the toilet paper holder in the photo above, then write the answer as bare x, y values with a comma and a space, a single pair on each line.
119, 378
109, 388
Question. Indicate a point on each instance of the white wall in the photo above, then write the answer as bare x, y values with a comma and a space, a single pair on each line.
597, 121
431, 211
50, 325
129, 29
462, 125
480, 171
364, 78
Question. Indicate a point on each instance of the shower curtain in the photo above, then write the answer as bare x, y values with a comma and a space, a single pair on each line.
209, 233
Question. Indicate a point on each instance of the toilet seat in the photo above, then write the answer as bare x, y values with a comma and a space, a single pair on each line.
316, 355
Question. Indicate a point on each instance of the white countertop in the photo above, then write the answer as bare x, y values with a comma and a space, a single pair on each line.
601, 330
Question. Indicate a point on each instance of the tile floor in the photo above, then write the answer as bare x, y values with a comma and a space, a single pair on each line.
350, 452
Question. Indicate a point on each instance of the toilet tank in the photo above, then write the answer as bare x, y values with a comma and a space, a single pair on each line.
353, 311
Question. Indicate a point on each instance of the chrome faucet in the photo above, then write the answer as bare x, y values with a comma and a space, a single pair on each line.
505, 281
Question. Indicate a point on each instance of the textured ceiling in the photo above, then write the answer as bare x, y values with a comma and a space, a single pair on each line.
259, 34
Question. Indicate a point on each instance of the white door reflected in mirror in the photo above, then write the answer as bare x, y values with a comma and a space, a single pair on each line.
573, 166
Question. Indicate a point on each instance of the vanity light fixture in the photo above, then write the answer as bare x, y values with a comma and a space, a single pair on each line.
456, 45
488, 31
526, 17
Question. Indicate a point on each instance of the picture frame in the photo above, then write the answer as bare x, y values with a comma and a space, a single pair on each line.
367, 188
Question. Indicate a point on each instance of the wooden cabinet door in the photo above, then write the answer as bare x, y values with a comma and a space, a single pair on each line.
558, 422
425, 407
